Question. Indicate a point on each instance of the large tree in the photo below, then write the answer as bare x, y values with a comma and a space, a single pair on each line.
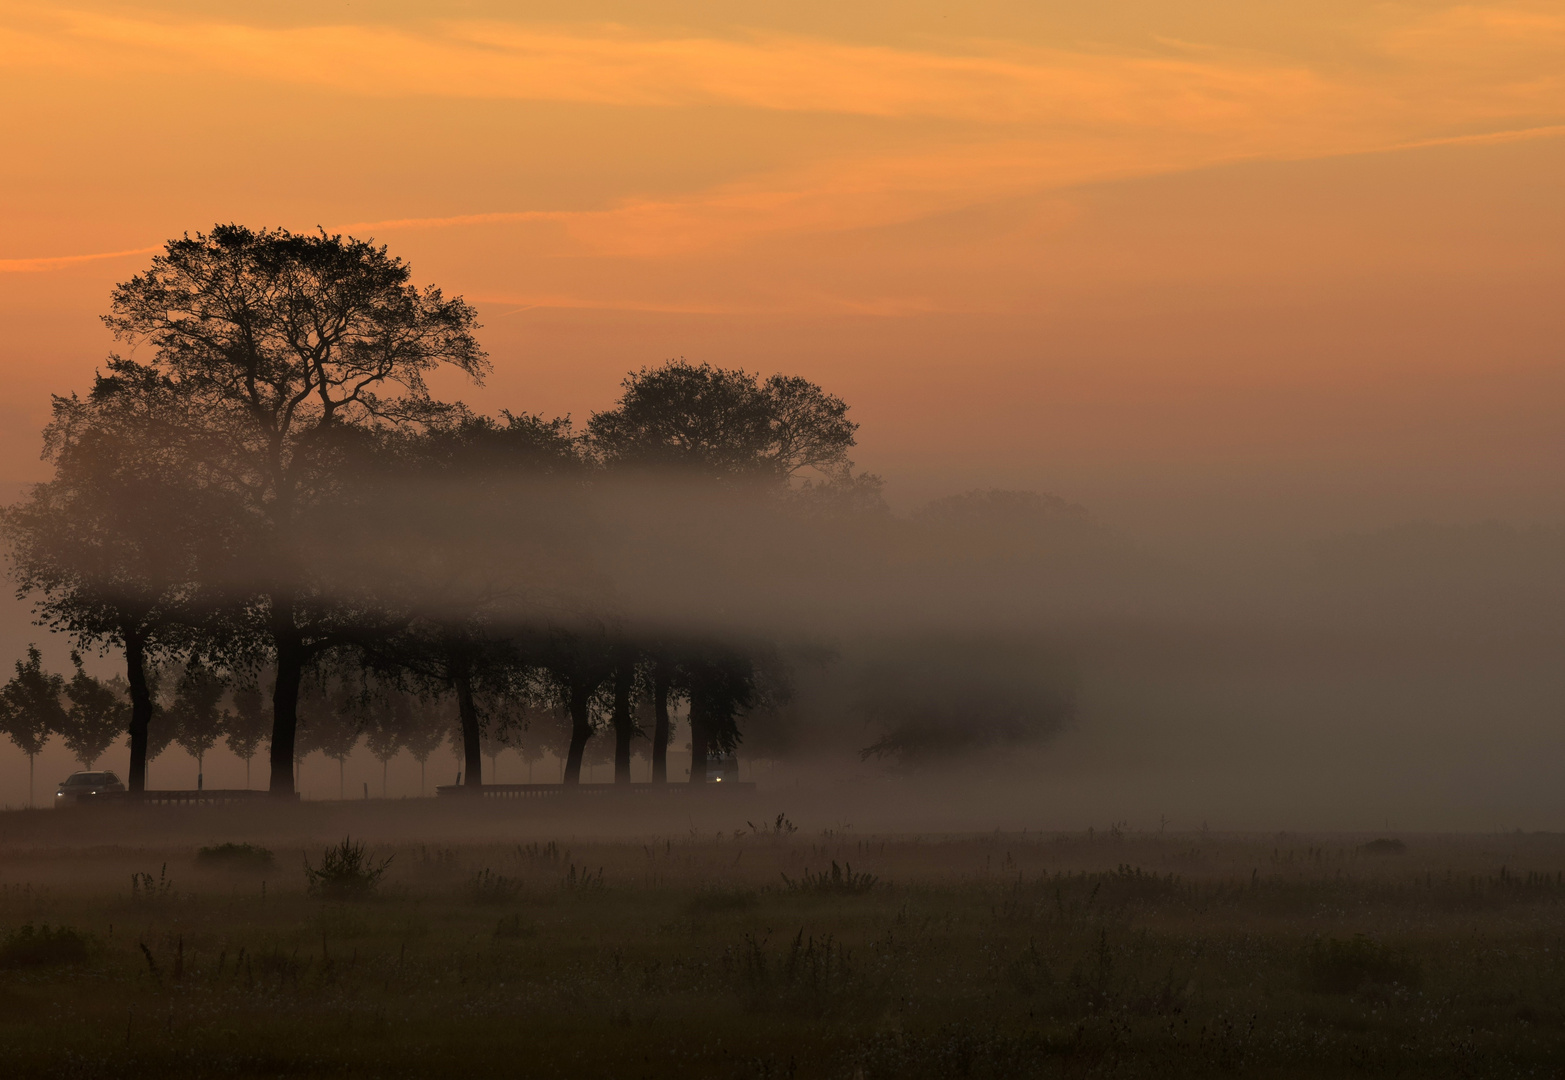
621, 716
711, 424
722, 682
113, 548
288, 344
576, 662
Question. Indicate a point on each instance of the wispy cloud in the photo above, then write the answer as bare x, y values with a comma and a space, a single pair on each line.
1012, 119
60, 262
978, 82
1186, 86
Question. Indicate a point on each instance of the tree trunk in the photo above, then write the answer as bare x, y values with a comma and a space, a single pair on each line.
31, 787
660, 683
467, 709
624, 725
581, 730
285, 716
140, 709
698, 736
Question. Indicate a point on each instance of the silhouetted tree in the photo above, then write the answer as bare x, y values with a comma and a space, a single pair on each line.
30, 709
99, 714
724, 424
248, 724
389, 720
429, 725
113, 547
288, 343
576, 663
661, 690
694, 418
621, 716
722, 684
331, 721
477, 668
197, 716
662, 685
716, 424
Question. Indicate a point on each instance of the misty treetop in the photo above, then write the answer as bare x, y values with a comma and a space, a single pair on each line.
726, 424
291, 541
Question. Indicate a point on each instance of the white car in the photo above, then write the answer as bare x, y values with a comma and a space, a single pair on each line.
87, 784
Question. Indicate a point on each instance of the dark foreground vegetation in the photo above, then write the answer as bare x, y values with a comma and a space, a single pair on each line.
765, 950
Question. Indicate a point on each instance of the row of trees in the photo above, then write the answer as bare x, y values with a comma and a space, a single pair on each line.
215, 493
91, 715
196, 708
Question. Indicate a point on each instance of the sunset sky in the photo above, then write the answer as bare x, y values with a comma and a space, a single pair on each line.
1262, 264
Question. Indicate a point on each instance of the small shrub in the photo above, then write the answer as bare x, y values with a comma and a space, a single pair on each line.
780, 827
1345, 967
41, 946
581, 880
346, 872
1383, 847
488, 887
236, 857
839, 879
542, 854
144, 887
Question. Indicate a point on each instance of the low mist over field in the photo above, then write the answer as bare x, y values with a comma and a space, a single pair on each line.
1002, 657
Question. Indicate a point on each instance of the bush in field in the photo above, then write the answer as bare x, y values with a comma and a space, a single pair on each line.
41, 946
839, 879
346, 872
1343, 967
236, 857
488, 887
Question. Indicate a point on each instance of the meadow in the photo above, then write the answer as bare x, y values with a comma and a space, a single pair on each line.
725, 944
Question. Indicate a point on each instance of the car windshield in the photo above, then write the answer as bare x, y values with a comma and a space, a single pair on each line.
88, 779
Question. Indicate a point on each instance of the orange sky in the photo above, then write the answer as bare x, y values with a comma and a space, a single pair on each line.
1284, 262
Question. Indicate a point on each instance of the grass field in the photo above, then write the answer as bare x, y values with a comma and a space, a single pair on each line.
763, 951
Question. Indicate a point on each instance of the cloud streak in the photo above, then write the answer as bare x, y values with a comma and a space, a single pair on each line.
979, 121
979, 82
61, 262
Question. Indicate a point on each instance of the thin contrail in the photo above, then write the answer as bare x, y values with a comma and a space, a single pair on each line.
56, 262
